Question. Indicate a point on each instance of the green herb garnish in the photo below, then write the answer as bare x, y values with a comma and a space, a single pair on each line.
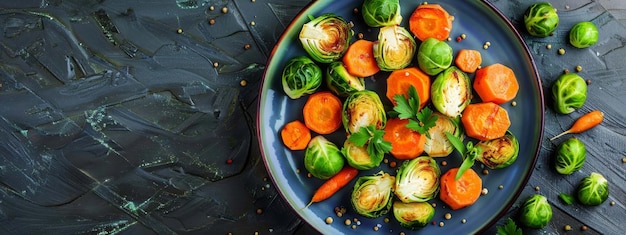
409, 108
468, 153
567, 198
373, 137
509, 228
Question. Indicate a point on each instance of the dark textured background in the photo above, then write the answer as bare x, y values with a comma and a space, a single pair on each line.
137, 117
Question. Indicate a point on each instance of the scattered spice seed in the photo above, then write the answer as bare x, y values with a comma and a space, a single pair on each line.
179, 31
434, 204
485, 47
463, 36
500, 186
566, 71
568, 227
243, 82
347, 222
561, 51
256, 232
375, 228
463, 221
441, 224
309, 175
484, 191
444, 163
583, 228
298, 171
360, 35
588, 81
252, 23
339, 214
354, 226
211, 21
355, 10
386, 220
229, 161
211, 8
449, 39
485, 172
329, 220
253, 0
386, 160
458, 39
579, 68
537, 188
447, 216
215, 64
624, 160
402, 233
514, 103
549, 46
224, 10
612, 203
392, 164
259, 211
247, 46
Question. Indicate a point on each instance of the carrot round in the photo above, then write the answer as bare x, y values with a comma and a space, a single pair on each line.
359, 59
405, 143
322, 112
399, 81
295, 135
468, 60
332, 185
496, 83
461, 192
430, 21
485, 121
583, 123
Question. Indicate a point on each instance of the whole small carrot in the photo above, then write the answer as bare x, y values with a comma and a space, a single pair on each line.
332, 185
583, 123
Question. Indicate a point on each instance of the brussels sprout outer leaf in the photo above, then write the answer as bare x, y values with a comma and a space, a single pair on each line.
340, 82
362, 109
413, 215
322, 158
569, 93
326, 37
536, 212
500, 152
378, 13
570, 156
583, 34
434, 56
417, 180
301, 76
567, 198
593, 190
372, 195
451, 92
541, 19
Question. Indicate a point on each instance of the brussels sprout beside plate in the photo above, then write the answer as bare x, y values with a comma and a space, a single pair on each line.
287, 168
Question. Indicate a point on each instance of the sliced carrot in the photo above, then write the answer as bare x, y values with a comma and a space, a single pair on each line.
400, 80
485, 121
496, 83
322, 112
359, 59
461, 192
430, 21
332, 185
468, 60
295, 135
584, 123
405, 143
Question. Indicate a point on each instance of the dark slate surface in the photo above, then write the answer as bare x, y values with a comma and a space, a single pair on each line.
137, 117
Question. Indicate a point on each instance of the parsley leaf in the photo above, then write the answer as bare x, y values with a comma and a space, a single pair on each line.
509, 228
373, 137
409, 108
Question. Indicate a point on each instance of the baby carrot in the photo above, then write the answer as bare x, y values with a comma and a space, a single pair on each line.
332, 185
583, 123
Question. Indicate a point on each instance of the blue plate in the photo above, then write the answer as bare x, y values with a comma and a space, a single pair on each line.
481, 22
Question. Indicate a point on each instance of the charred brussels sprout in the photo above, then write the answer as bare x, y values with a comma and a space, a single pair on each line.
541, 19
413, 215
593, 190
438, 145
500, 152
583, 34
359, 158
301, 76
569, 92
323, 158
326, 38
451, 92
434, 56
362, 109
536, 212
394, 49
570, 156
417, 180
372, 195
378, 13
340, 82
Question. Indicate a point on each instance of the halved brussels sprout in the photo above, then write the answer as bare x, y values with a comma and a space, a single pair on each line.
378, 13
583, 34
593, 190
326, 38
438, 145
413, 215
569, 92
394, 49
323, 158
301, 76
570, 156
417, 180
500, 152
340, 82
359, 158
433, 56
372, 195
451, 92
536, 212
362, 109
541, 19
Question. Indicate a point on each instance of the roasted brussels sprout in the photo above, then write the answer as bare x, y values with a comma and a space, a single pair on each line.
583, 34
301, 76
569, 92
413, 215
438, 145
417, 180
326, 38
570, 156
378, 13
536, 212
451, 92
323, 158
372, 195
433, 56
340, 82
394, 49
362, 109
359, 158
541, 19
500, 152
593, 190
